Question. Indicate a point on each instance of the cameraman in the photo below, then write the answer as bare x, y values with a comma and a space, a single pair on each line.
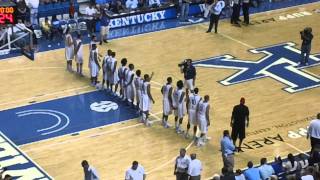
189, 72
306, 37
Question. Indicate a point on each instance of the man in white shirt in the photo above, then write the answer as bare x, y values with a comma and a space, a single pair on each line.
135, 172
195, 168
131, 4
182, 165
90, 173
215, 15
33, 5
314, 132
91, 13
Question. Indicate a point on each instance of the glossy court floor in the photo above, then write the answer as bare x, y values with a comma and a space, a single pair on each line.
282, 97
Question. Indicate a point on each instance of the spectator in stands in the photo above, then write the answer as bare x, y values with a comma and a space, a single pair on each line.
303, 161
239, 175
181, 165
308, 175
46, 29
252, 173
195, 168
90, 173
291, 165
227, 149
265, 170
117, 7
104, 27
131, 4
154, 3
227, 174
33, 6
135, 172
277, 166
3, 35
22, 10
314, 132
184, 10
91, 13
72, 9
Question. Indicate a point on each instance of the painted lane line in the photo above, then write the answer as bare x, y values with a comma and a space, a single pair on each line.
297, 149
48, 112
48, 94
30, 68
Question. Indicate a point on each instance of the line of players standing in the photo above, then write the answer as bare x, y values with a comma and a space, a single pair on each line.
134, 87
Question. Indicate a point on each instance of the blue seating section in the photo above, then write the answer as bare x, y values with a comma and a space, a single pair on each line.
52, 9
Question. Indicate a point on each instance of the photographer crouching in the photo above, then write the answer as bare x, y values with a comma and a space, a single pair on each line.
189, 72
306, 37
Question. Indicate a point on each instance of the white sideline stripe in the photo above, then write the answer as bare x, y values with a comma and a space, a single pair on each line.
48, 94
297, 149
30, 68
89, 136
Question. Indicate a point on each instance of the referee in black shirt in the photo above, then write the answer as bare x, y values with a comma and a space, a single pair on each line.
189, 72
239, 120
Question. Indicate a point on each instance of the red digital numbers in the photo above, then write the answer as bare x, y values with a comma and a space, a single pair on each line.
6, 18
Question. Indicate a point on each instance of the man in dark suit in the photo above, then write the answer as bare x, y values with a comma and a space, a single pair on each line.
239, 121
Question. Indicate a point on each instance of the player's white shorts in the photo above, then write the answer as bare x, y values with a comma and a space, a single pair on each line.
79, 58
130, 92
113, 78
138, 95
104, 30
189, 84
146, 103
203, 125
94, 69
166, 107
69, 53
192, 117
180, 111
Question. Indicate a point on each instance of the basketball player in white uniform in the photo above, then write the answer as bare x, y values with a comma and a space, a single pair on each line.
79, 54
94, 64
105, 68
69, 49
193, 100
179, 106
203, 119
147, 99
129, 85
138, 81
122, 77
113, 78
166, 91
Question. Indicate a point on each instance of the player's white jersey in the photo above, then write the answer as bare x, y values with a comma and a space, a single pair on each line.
146, 101
165, 90
202, 108
122, 74
166, 103
176, 97
194, 100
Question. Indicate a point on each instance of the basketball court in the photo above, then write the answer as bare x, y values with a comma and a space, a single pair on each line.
58, 120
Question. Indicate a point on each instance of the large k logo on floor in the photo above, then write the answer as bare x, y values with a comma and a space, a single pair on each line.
280, 63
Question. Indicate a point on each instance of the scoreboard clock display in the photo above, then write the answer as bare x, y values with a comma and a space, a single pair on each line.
8, 11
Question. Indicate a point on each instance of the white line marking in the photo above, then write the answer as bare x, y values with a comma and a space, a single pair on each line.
30, 68
92, 135
299, 150
49, 112
48, 94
